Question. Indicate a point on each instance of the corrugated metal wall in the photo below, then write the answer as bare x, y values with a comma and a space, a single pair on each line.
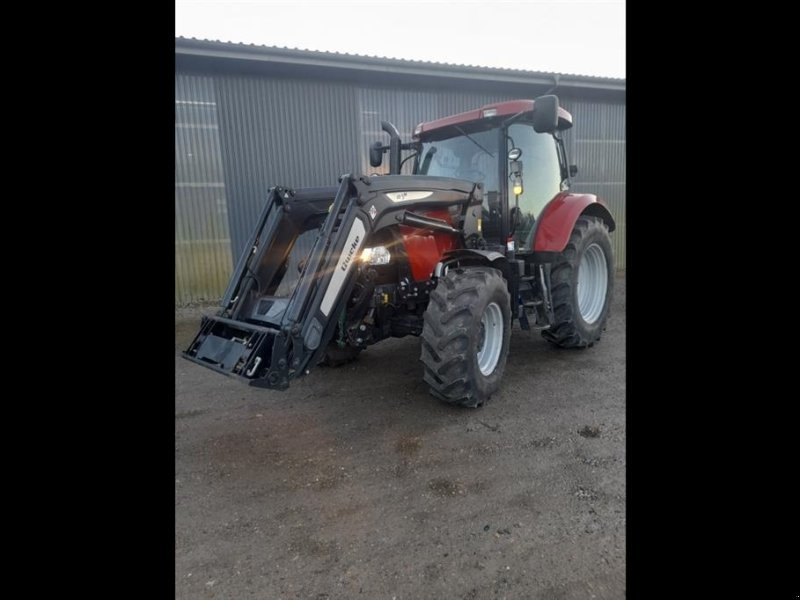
290, 132
262, 131
203, 260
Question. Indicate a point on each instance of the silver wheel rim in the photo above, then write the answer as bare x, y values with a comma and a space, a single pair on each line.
491, 338
592, 283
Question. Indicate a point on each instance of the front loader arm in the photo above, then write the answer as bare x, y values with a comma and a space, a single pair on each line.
271, 352
267, 340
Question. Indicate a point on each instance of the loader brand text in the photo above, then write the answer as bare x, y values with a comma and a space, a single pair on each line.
353, 247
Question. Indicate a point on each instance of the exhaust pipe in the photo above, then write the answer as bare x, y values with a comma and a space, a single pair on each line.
414, 220
394, 147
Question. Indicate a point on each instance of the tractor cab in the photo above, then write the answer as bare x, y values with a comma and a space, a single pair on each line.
514, 150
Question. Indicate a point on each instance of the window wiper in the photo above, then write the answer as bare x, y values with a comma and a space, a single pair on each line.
469, 137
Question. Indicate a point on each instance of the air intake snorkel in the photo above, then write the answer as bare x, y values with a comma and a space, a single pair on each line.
394, 147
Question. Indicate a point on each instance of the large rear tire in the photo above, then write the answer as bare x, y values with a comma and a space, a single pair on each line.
466, 335
582, 283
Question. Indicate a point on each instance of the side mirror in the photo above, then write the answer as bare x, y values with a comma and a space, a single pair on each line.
545, 114
573, 170
376, 154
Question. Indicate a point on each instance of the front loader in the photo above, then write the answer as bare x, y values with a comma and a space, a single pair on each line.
452, 253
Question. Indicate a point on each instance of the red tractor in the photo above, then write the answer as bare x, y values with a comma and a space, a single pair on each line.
453, 253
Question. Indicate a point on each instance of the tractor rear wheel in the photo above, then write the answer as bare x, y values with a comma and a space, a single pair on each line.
466, 334
582, 282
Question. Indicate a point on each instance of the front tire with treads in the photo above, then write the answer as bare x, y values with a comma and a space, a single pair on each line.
466, 334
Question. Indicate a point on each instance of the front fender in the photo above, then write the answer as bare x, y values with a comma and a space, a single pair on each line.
488, 258
557, 220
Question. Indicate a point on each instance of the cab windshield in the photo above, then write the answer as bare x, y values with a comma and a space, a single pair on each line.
472, 156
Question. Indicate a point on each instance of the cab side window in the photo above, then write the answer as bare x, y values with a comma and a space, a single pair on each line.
541, 178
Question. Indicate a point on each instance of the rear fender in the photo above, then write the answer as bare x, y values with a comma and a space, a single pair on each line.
555, 225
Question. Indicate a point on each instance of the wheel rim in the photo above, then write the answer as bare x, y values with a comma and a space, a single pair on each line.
490, 342
592, 283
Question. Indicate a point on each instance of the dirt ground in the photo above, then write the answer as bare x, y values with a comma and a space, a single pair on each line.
356, 483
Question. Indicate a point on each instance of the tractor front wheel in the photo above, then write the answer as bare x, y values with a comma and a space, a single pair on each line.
582, 281
466, 334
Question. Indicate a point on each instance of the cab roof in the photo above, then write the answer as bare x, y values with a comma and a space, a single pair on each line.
488, 111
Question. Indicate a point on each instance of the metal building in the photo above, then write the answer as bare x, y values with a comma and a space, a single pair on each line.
251, 117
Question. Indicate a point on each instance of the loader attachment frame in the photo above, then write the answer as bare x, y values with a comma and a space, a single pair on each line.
269, 351
266, 338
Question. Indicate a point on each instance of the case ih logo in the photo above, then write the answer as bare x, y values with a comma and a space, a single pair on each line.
408, 195
353, 247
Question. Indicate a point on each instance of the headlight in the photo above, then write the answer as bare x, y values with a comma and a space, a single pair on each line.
378, 255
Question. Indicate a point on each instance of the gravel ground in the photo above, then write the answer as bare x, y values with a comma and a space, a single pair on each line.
356, 483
